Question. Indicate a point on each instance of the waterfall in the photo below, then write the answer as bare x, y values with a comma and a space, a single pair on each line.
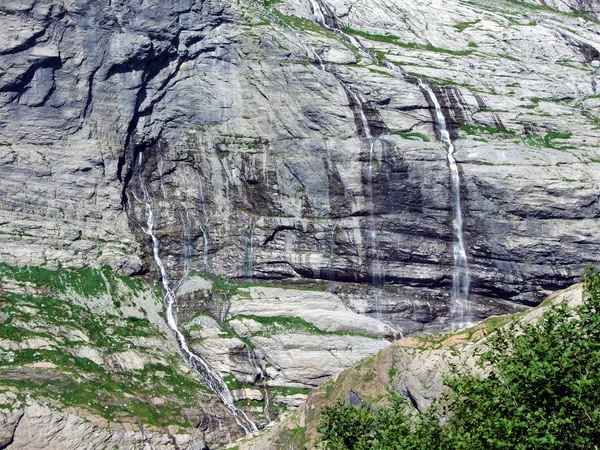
204, 229
209, 376
187, 249
249, 253
318, 15
377, 271
332, 252
160, 168
267, 406
459, 305
320, 18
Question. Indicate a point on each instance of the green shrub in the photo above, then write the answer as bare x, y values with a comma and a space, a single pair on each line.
542, 391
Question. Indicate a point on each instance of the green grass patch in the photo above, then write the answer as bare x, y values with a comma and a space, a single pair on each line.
286, 391
292, 324
474, 130
412, 136
462, 26
109, 392
391, 39
85, 281
381, 72
547, 141
233, 383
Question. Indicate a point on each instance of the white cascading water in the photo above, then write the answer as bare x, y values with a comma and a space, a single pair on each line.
187, 249
332, 252
459, 304
377, 272
210, 377
319, 17
249, 257
204, 229
160, 168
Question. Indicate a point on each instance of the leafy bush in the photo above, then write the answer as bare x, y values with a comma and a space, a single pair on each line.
542, 391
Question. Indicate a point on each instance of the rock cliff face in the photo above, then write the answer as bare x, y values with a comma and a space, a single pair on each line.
290, 143
243, 124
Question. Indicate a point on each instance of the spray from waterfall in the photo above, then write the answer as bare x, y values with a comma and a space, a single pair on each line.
459, 304
209, 376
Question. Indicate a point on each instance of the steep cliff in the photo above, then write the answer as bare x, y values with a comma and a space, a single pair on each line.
295, 145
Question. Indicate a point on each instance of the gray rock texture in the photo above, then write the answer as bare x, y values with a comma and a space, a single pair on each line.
414, 367
241, 123
289, 143
39, 427
96, 367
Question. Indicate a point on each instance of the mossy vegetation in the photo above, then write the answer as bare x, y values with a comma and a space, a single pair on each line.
287, 391
71, 348
549, 140
292, 324
461, 26
395, 40
479, 130
410, 135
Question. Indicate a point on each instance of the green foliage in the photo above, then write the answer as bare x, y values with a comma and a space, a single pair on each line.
233, 383
461, 26
292, 324
85, 281
365, 427
287, 390
477, 130
407, 135
66, 322
541, 391
547, 141
391, 39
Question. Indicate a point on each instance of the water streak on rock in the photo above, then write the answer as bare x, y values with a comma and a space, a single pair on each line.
209, 376
459, 301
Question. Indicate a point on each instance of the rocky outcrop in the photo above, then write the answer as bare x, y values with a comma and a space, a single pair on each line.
79, 367
39, 427
414, 367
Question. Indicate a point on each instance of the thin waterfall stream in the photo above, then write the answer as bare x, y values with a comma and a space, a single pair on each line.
212, 379
204, 229
459, 305
377, 269
249, 252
